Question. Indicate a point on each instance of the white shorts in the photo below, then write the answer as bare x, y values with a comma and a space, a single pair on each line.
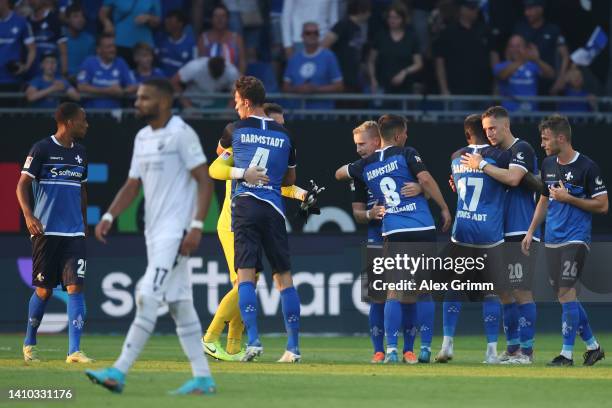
167, 278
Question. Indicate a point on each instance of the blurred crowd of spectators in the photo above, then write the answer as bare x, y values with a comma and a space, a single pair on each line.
104, 48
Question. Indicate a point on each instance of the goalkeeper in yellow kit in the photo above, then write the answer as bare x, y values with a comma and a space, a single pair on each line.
228, 310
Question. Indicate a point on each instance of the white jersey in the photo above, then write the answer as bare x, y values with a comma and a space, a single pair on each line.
163, 159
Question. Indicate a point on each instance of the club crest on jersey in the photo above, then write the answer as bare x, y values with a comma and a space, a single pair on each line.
520, 156
78, 159
569, 176
28, 162
598, 181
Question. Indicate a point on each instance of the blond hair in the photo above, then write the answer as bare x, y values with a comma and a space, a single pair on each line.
368, 126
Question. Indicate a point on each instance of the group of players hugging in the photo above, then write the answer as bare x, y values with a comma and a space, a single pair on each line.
496, 178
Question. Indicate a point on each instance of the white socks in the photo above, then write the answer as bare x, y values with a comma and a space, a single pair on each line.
189, 332
492, 348
447, 343
140, 331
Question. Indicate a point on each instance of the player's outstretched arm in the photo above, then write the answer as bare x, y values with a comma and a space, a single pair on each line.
364, 216
533, 183
431, 188
511, 177
24, 186
125, 196
539, 216
289, 178
222, 169
342, 173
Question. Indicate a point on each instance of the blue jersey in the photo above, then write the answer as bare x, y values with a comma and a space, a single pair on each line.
565, 223
320, 68
523, 82
58, 173
47, 34
50, 102
101, 75
520, 201
155, 73
127, 32
263, 142
173, 55
361, 194
384, 173
479, 220
79, 47
15, 32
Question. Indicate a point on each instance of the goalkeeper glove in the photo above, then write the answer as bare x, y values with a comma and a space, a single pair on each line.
309, 205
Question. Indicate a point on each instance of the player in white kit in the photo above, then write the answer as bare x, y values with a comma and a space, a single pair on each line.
169, 164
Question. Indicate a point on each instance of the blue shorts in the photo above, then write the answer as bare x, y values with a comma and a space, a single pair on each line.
57, 259
258, 226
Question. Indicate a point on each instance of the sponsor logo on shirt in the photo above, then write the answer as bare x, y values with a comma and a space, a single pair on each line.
520, 156
70, 173
56, 158
598, 181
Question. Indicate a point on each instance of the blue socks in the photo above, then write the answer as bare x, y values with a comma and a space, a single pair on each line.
290, 302
247, 300
450, 316
425, 319
36, 310
569, 324
527, 322
511, 327
376, 319
584, 329
491, 312
76, 321
409, 317
393, 321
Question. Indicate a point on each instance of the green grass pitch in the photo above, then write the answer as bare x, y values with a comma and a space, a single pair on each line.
335, 373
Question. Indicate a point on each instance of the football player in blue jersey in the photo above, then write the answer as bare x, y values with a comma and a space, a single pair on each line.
56, 171
478, 232
518, 302
406, 219
366, 210
574, 191
258, 217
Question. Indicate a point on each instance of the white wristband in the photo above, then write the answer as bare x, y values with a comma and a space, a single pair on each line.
236, 173
108, 217
196, 224
482, 164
